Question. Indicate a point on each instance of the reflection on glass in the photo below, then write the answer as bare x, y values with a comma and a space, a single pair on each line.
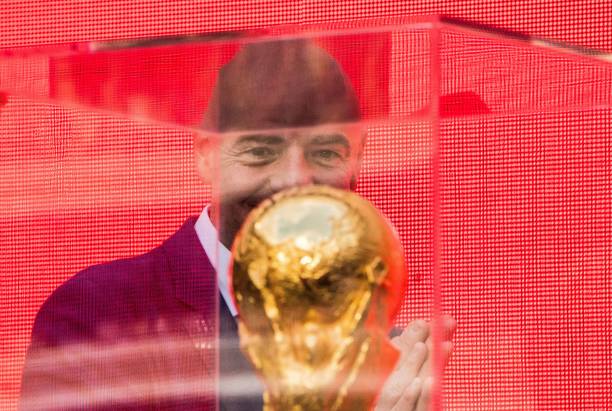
488, 154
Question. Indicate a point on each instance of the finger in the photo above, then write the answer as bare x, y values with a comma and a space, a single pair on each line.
409, 397
401, 377
425, 371
416, 331
424, 401
426, 374
449, 326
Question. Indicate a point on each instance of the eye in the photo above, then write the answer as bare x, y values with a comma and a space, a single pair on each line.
327, 157
328, 154
261, 152
259, 155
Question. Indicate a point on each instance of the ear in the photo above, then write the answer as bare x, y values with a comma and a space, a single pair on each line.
204, 156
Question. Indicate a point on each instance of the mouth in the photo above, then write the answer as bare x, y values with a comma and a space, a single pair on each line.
252, 202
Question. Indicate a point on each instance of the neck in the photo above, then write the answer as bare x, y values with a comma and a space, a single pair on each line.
226, 235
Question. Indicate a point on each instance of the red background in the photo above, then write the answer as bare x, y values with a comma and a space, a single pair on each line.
524, 214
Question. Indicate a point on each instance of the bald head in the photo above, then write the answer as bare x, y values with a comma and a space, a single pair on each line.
280, 84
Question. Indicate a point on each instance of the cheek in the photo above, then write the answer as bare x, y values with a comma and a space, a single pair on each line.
339, 178
237, 181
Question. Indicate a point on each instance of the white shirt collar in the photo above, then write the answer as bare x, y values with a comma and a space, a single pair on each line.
218, 255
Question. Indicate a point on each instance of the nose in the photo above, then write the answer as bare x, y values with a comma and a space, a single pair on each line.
293, 171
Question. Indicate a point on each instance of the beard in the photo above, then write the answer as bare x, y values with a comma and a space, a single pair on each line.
233, 212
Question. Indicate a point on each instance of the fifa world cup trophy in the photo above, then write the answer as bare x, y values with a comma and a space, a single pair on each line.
318, 275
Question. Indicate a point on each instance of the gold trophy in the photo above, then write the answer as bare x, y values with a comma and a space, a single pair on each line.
318, 275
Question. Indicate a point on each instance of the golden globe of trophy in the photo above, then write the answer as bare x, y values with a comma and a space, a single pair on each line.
318, 275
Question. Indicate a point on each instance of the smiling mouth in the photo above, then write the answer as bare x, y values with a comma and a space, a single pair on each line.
250, 204
253, 202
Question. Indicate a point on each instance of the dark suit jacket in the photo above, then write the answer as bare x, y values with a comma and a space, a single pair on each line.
138, 334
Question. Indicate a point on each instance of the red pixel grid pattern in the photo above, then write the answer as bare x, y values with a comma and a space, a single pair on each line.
524, 271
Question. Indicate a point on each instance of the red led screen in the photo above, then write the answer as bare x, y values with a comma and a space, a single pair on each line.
521, 185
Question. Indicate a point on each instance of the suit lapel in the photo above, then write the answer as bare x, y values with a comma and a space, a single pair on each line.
195, 285
192, 273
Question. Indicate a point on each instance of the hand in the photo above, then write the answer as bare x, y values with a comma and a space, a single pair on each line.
410, 385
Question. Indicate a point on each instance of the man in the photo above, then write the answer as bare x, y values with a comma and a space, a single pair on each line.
137, 333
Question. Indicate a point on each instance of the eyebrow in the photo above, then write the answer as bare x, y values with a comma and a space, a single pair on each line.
334, 138
271, 139
260, 139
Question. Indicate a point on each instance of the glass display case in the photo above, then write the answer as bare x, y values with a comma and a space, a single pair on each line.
489, 153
